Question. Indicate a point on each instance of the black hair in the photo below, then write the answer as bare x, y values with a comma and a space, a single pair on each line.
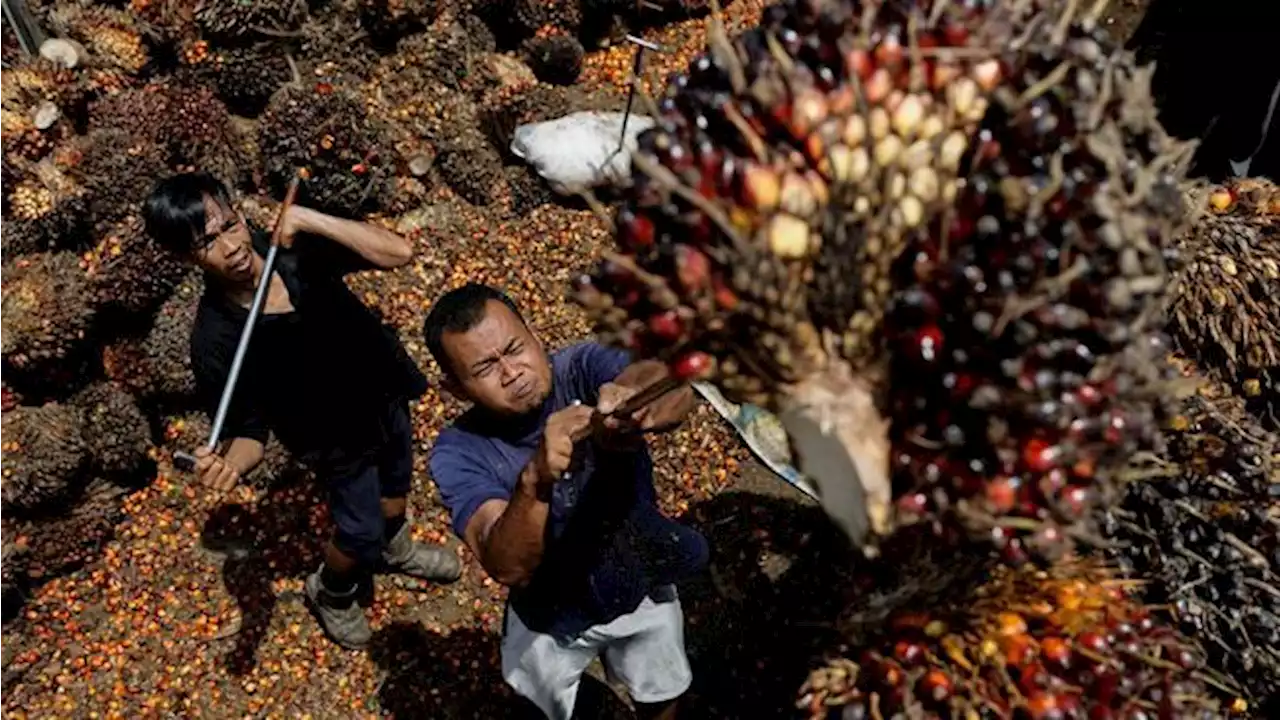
174, 212
457, 311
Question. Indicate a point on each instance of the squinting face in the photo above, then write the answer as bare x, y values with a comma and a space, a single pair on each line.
226, 249
499, 364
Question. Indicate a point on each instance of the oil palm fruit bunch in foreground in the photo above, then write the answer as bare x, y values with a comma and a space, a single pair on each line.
1225, 307
934, 231
1065, 643
1203, 533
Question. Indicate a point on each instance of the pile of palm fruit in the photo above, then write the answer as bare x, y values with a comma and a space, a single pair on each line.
376, 104
948, 234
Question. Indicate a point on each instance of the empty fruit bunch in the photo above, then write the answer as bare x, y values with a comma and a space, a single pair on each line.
1067, 643
1203, 533
1225, 307
950, 217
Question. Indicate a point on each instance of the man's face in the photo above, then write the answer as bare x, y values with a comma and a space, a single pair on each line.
226, 248
499, 364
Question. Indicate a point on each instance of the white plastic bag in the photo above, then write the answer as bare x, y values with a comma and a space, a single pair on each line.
580, 151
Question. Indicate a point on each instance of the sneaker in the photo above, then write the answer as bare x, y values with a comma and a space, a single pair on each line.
404, 555
340, 615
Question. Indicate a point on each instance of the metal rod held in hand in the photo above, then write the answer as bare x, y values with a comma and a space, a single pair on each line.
185, 461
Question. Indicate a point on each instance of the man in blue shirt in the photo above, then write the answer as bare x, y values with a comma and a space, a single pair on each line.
571, 526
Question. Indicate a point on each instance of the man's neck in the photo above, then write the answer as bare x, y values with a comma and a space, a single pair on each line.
241, 293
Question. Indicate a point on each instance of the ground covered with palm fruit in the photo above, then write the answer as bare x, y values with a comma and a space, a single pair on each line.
144, 600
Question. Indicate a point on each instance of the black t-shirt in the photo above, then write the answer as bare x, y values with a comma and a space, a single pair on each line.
319, 377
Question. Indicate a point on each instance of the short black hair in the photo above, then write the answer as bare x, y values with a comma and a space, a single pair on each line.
457, 311
175, 215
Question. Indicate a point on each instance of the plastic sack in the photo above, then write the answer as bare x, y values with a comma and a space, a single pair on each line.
580, 151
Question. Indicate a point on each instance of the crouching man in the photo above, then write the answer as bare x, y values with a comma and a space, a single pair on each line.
322, 373
572, 527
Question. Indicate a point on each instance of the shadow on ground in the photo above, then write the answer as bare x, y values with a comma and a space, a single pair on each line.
267, 541
429, 675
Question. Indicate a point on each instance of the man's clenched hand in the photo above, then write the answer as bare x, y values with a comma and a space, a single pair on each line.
214, 471
555, 451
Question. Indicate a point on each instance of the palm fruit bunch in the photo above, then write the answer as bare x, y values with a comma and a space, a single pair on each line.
128, 271
117, 171
44, 208
38, 103
14, 559
44, 452
75, 536
1070, 642
46, 308
116, 431
470, 166
1225, 308
190, 122
395, 18
530, 16
1203, 535
528, 191
935, 232
324, 134
244, 78
554, 55
114, 38
165, 352
240, 20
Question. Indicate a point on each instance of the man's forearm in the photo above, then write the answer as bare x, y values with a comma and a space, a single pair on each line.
380, 247
513, 548
243, 454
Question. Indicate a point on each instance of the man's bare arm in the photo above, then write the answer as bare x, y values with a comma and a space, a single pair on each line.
378, 246
243, 454
507, 535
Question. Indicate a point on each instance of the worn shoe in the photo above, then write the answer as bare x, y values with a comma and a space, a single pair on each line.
340, 615
404, 555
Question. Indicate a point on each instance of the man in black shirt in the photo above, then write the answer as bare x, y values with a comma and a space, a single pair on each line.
322, 373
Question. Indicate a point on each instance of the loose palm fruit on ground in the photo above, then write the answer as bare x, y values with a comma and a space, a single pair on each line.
46, 308
1225, 306
116, 432
1065, 643
324, 134
939, 234
44, 454
1202, 533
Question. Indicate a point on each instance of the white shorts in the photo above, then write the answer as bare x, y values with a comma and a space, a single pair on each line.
643, 650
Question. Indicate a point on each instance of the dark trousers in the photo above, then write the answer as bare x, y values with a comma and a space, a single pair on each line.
357, 484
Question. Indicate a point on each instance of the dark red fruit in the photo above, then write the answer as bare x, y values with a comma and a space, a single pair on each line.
692, 366
666, 326
935, 686
1039, 455
635, 230
908, 653
692, 268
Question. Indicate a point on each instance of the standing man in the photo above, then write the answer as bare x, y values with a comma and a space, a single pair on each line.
572, 527
322, 373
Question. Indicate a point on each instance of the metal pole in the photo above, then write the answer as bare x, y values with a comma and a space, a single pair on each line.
641, 45
30, 35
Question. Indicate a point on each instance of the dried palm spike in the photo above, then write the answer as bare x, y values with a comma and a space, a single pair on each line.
1225, 305
44, 451
112, 37
326, 134
1068, 643
1203, 534
69, 539
130, 272
115, 430
240, 19
46, 308
992, 177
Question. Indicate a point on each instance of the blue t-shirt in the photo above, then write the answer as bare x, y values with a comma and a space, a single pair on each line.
607, 545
